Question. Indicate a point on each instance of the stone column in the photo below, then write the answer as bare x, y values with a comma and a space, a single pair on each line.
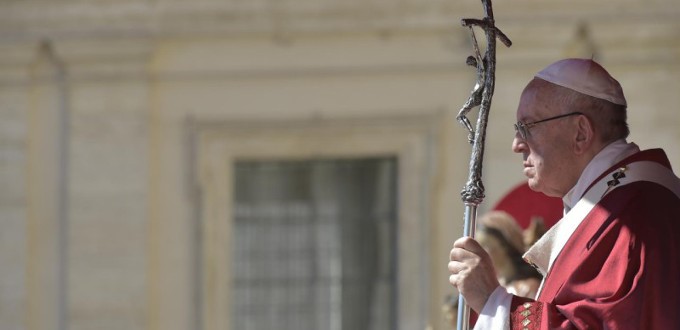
47, 192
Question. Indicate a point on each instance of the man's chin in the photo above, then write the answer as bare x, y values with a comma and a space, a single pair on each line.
534, 185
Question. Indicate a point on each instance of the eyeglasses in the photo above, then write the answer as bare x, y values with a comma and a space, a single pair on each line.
523, 128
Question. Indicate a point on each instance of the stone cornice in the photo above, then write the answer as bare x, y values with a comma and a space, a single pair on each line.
96, 19
100, 40
92, 59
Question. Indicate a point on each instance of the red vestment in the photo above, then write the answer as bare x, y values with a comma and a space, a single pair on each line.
620, 269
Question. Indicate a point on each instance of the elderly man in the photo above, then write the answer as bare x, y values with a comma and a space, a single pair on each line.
613, 260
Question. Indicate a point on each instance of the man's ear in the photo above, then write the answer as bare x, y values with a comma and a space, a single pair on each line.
585, 134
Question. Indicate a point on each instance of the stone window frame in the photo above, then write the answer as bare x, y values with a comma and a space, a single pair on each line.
217, 145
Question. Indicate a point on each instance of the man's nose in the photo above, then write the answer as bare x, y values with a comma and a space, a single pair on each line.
518, 144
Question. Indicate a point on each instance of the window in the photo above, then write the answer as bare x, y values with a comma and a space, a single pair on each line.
314, 245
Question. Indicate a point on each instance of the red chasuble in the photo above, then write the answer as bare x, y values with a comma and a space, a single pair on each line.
621, 267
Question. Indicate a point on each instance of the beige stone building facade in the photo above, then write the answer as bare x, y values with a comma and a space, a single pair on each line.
123, 125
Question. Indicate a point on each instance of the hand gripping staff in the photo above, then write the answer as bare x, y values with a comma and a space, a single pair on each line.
481, 95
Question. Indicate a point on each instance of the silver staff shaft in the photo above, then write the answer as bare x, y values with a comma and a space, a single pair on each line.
468, 230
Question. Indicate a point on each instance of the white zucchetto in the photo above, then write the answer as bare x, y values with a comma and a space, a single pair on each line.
586, 77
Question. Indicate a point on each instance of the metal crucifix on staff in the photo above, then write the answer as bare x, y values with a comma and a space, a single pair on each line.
481, 96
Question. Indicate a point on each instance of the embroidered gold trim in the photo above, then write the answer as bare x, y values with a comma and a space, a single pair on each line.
526, 312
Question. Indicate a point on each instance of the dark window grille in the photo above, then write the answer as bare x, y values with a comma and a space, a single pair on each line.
314, 245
